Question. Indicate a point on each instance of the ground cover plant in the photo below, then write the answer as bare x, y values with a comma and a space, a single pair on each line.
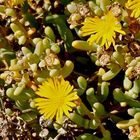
70, 69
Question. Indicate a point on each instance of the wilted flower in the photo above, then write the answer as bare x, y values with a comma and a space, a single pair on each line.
134, 5
56, 98
102, 30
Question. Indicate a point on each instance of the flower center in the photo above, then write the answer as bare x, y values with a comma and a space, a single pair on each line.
59, 101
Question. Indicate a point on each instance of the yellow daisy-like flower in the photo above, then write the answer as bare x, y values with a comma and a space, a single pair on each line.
102, 30
134, 5
56, 98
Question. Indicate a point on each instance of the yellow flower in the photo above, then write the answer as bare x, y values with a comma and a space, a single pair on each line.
134, 5
102, 30
56, 98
